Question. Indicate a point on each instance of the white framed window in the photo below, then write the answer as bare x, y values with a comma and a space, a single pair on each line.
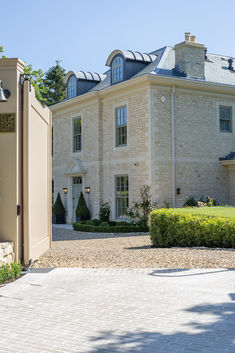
122, 196
77, 134
71, 87
225, 118
121, 126
117, 70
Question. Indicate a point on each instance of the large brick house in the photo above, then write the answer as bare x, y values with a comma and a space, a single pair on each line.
165, 119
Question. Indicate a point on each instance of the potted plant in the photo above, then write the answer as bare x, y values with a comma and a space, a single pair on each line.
59, 211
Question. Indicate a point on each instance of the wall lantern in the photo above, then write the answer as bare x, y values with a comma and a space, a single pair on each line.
65, 190
4, 93
87, 189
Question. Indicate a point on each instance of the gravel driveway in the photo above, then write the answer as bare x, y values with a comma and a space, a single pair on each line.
110, 251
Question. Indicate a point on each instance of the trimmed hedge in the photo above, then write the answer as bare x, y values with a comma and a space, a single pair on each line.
107, 228
169, 228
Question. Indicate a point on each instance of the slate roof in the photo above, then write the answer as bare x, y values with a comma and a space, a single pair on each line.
229, 157
216, 68
85, 76
131, 55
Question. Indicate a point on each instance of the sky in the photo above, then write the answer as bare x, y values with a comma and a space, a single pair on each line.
82, 34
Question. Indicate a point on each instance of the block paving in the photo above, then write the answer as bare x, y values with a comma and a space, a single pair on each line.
68, 310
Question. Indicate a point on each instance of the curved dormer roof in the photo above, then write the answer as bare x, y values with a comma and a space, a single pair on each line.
131, 55
82, 75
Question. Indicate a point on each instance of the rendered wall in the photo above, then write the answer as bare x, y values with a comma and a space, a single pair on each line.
25, 168
10, 158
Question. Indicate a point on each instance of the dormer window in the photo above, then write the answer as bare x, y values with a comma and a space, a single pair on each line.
117, 70
71, 87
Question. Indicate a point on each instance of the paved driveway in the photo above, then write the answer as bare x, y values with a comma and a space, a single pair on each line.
119, 310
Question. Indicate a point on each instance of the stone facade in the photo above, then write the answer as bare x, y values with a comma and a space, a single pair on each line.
6, 253
174, 140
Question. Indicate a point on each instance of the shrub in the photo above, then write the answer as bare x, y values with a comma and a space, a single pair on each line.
104, 224
96, 222
9, 272
122, 223
210, 202
110, 229
169, 228
104, 212
140, 211
191, 202
59, 210
112, 223
89, 222
82, 210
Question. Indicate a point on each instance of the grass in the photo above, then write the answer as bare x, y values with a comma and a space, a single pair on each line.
219, 211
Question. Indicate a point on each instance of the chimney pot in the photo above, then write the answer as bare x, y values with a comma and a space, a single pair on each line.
187, 36
230, 64
193, 38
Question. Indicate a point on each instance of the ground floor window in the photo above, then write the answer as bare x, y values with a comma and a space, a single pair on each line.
122, 196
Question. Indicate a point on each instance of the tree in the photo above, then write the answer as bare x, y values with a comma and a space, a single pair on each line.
59, 210
1, 51
82, 210
36, 79
54, 83
140, 211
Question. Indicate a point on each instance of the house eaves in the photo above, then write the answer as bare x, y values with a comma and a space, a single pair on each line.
153, 79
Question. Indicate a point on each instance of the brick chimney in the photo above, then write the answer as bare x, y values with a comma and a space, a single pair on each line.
190, 58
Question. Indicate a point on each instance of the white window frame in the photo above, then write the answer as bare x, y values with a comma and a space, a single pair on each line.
72, 130
117, 69
71, 87
231, 117
116, 196
121, 126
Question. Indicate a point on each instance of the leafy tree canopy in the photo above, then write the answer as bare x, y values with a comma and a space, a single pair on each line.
36, 78
1, 51
54, 83
49, 87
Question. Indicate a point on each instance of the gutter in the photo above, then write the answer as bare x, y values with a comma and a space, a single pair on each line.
212, 87
173, 144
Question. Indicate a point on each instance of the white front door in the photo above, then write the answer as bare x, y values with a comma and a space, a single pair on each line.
77, 188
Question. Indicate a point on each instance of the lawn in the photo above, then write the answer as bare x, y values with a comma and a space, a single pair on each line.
218, 211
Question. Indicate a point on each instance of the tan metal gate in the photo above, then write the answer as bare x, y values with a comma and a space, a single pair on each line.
36, 175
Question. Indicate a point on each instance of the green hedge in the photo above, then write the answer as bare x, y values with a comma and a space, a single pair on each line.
108, 229
169, 228
10, 272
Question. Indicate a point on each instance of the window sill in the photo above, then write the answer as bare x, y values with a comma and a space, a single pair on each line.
120, 147
77, 152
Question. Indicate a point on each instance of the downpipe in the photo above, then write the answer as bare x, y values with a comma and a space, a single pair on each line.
173, 145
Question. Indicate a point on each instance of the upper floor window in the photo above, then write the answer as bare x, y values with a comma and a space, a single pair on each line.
77, 135
121, 126
117, 70
225, 116
71, 87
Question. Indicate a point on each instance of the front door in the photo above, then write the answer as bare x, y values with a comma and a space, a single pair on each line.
77, 188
